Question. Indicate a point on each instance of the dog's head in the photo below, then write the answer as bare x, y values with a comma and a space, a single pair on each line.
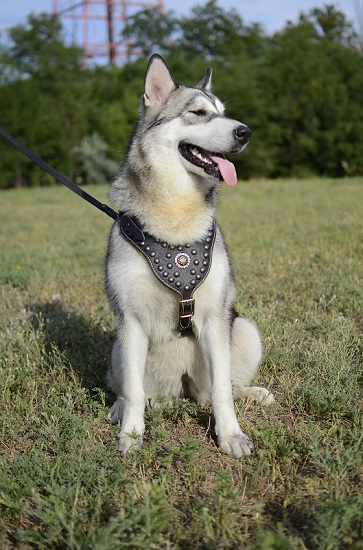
192, 121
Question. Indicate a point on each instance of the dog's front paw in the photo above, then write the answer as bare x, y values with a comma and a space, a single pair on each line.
129, 442
237, 445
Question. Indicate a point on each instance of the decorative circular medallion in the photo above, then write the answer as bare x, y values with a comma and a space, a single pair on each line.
182, 260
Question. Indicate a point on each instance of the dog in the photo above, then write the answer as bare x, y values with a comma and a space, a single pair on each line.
167, 192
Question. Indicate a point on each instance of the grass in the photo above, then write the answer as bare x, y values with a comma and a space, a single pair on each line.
297, 250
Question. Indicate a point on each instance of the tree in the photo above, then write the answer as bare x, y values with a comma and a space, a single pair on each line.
314, 105
330, 23
149, 30
44, 98
38, 48
210, 31
299, 90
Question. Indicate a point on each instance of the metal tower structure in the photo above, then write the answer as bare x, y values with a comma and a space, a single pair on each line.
96, 24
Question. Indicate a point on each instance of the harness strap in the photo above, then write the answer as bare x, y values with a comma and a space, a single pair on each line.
182, 268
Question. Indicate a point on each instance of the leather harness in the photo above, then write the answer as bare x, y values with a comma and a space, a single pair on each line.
182, 268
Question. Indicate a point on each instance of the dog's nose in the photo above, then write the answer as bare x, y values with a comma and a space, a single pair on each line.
242, 132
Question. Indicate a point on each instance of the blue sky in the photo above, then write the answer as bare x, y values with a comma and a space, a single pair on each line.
271, 13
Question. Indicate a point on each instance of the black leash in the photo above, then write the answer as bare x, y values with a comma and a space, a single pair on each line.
180, 269
47, 168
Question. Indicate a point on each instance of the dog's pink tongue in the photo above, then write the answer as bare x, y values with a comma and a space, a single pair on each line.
227, 170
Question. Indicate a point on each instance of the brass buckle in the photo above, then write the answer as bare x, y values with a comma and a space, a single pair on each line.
186, 308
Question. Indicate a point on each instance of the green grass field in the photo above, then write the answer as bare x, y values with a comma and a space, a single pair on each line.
297, 248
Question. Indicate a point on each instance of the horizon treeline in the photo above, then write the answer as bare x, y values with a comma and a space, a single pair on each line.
300, 90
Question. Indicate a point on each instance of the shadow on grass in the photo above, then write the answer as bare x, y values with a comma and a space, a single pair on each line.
183, 409
86, 346
84, 343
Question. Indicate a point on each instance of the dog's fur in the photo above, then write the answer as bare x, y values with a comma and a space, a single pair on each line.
174, 199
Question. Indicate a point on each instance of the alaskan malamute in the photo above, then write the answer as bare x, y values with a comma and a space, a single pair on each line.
169, 278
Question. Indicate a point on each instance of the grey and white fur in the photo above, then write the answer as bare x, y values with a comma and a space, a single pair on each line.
169, 182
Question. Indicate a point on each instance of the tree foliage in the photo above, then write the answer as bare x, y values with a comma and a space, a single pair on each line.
330, 23
44, 100
149, 30
37, 48
210, 31
300, 90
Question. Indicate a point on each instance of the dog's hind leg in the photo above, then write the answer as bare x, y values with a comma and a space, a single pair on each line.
246, 355
116, 411
126, 377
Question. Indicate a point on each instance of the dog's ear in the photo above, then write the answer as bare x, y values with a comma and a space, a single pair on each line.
158, 83
206, 82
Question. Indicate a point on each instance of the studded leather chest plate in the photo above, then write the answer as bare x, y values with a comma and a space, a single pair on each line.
182, 268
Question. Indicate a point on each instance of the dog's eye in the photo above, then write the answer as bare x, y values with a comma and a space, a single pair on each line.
199, 112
